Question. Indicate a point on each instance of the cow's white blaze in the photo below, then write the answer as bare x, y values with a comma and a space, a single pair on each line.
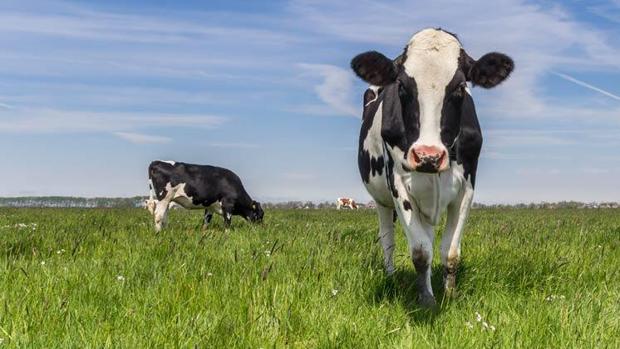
432, 60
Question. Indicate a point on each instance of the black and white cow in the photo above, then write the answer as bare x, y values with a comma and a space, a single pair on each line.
419, 144
214, 189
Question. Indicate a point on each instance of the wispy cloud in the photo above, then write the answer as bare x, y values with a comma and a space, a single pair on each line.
335, 89
586, 85
233, 145
5, 106
140, 138
58, 120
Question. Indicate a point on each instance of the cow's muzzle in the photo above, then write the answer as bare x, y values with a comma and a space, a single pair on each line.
428, 159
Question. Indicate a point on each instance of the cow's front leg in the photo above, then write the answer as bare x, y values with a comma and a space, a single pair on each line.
207, 218
161, 214
227, 210
420, 237
458, 211
386, 236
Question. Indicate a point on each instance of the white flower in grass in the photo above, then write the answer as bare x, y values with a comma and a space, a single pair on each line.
209, 274
334, 292
469, 325
61, 251
120, 278
553, 297
42, 262
478, 317
268, 253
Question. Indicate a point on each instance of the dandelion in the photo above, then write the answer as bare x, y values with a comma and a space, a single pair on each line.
120, 278
334, 292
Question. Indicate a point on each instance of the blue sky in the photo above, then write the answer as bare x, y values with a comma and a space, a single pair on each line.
92, 91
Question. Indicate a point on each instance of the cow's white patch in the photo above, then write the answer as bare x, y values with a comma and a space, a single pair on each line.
374, 89
182, 198
432, 60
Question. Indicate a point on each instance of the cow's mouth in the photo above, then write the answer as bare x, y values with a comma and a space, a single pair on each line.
427, 164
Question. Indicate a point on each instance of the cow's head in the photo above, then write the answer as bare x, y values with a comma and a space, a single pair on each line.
256, 214
425, 94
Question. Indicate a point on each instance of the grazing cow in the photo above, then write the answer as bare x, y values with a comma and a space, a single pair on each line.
346, 203
214, 189
419, 144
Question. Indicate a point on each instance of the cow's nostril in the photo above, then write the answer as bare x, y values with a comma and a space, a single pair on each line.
416, 158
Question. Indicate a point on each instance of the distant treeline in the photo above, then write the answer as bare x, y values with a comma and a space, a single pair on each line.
70, 201
138, 201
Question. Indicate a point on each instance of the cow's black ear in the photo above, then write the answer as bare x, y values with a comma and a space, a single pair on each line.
374, 68
490, 70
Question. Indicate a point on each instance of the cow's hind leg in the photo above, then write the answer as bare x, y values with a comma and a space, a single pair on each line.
386, 236
451, 240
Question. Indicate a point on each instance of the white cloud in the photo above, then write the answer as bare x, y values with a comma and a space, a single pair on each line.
58, 120
233, 145
140, 138
539, 38
299, 176
335, 90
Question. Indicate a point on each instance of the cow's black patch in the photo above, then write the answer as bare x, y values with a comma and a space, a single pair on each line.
389, 171
469, 142
400, 126
407, 205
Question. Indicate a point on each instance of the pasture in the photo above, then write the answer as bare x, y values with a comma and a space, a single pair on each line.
304, 279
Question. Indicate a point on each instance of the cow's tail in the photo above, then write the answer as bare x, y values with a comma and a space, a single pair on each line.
151, 190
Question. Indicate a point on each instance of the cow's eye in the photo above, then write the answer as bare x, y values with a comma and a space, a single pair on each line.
459, 91
402, 91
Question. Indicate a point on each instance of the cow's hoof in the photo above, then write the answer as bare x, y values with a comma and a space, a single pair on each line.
427, 301
450, 285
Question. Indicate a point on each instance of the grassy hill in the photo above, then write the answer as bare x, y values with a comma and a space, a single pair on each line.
303, 279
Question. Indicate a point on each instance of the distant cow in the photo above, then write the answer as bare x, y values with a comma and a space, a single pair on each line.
419, 144
345, 203
214, 189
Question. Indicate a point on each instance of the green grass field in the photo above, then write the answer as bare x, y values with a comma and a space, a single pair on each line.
304, 279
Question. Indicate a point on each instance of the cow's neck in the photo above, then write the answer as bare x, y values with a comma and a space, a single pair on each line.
426, 191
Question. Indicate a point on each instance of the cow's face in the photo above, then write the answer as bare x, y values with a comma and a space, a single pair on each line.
425, 94
256, 214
